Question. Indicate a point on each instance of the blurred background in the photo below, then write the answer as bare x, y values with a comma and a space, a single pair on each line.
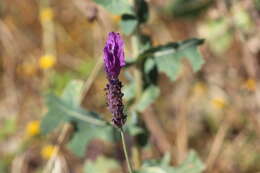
216, 111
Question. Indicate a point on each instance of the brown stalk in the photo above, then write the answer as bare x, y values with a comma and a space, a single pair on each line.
219, 139
156, 130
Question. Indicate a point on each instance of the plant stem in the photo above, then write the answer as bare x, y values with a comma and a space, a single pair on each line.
125, 151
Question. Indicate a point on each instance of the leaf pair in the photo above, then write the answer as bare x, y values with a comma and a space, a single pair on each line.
88, 125
166, 59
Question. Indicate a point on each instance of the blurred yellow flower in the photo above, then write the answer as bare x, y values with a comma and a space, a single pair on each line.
250, 85
33, 128
116, 18
47, 61
218, 103
47, 151
46, 14
199, 88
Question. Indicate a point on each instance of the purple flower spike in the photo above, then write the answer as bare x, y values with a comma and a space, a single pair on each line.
114, 56
114, 59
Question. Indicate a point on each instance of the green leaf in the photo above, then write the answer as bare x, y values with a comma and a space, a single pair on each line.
188, 8
128, 24
87, 132
145, 42
61, 111
66, 108
117, 7
195, 58
57, 106
169, 65
101, 165
150, 72
149, 65
148, 97
72, 92
191, 165
132, 125
129, 91
168, 57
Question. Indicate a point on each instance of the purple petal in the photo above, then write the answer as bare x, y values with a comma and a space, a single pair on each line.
114, 57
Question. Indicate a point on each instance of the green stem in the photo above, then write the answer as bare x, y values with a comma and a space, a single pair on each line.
125, 151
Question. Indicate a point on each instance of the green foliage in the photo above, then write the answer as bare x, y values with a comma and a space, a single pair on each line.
118, 7
148, 97
149, 65
129, 91
67, 109
151, 60
168, 57
85, 133
101, 165
72, 92
191, 165
144, 43
132, 125
189, 8
128, 24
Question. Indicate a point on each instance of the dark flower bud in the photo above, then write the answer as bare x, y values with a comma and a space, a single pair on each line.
115, 103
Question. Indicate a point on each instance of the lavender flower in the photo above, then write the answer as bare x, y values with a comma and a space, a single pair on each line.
114, 57
114, 60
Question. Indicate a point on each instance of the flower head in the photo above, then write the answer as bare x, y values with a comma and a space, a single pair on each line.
115, 103
114, 57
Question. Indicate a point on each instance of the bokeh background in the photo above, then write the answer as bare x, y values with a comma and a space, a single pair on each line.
215, 111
